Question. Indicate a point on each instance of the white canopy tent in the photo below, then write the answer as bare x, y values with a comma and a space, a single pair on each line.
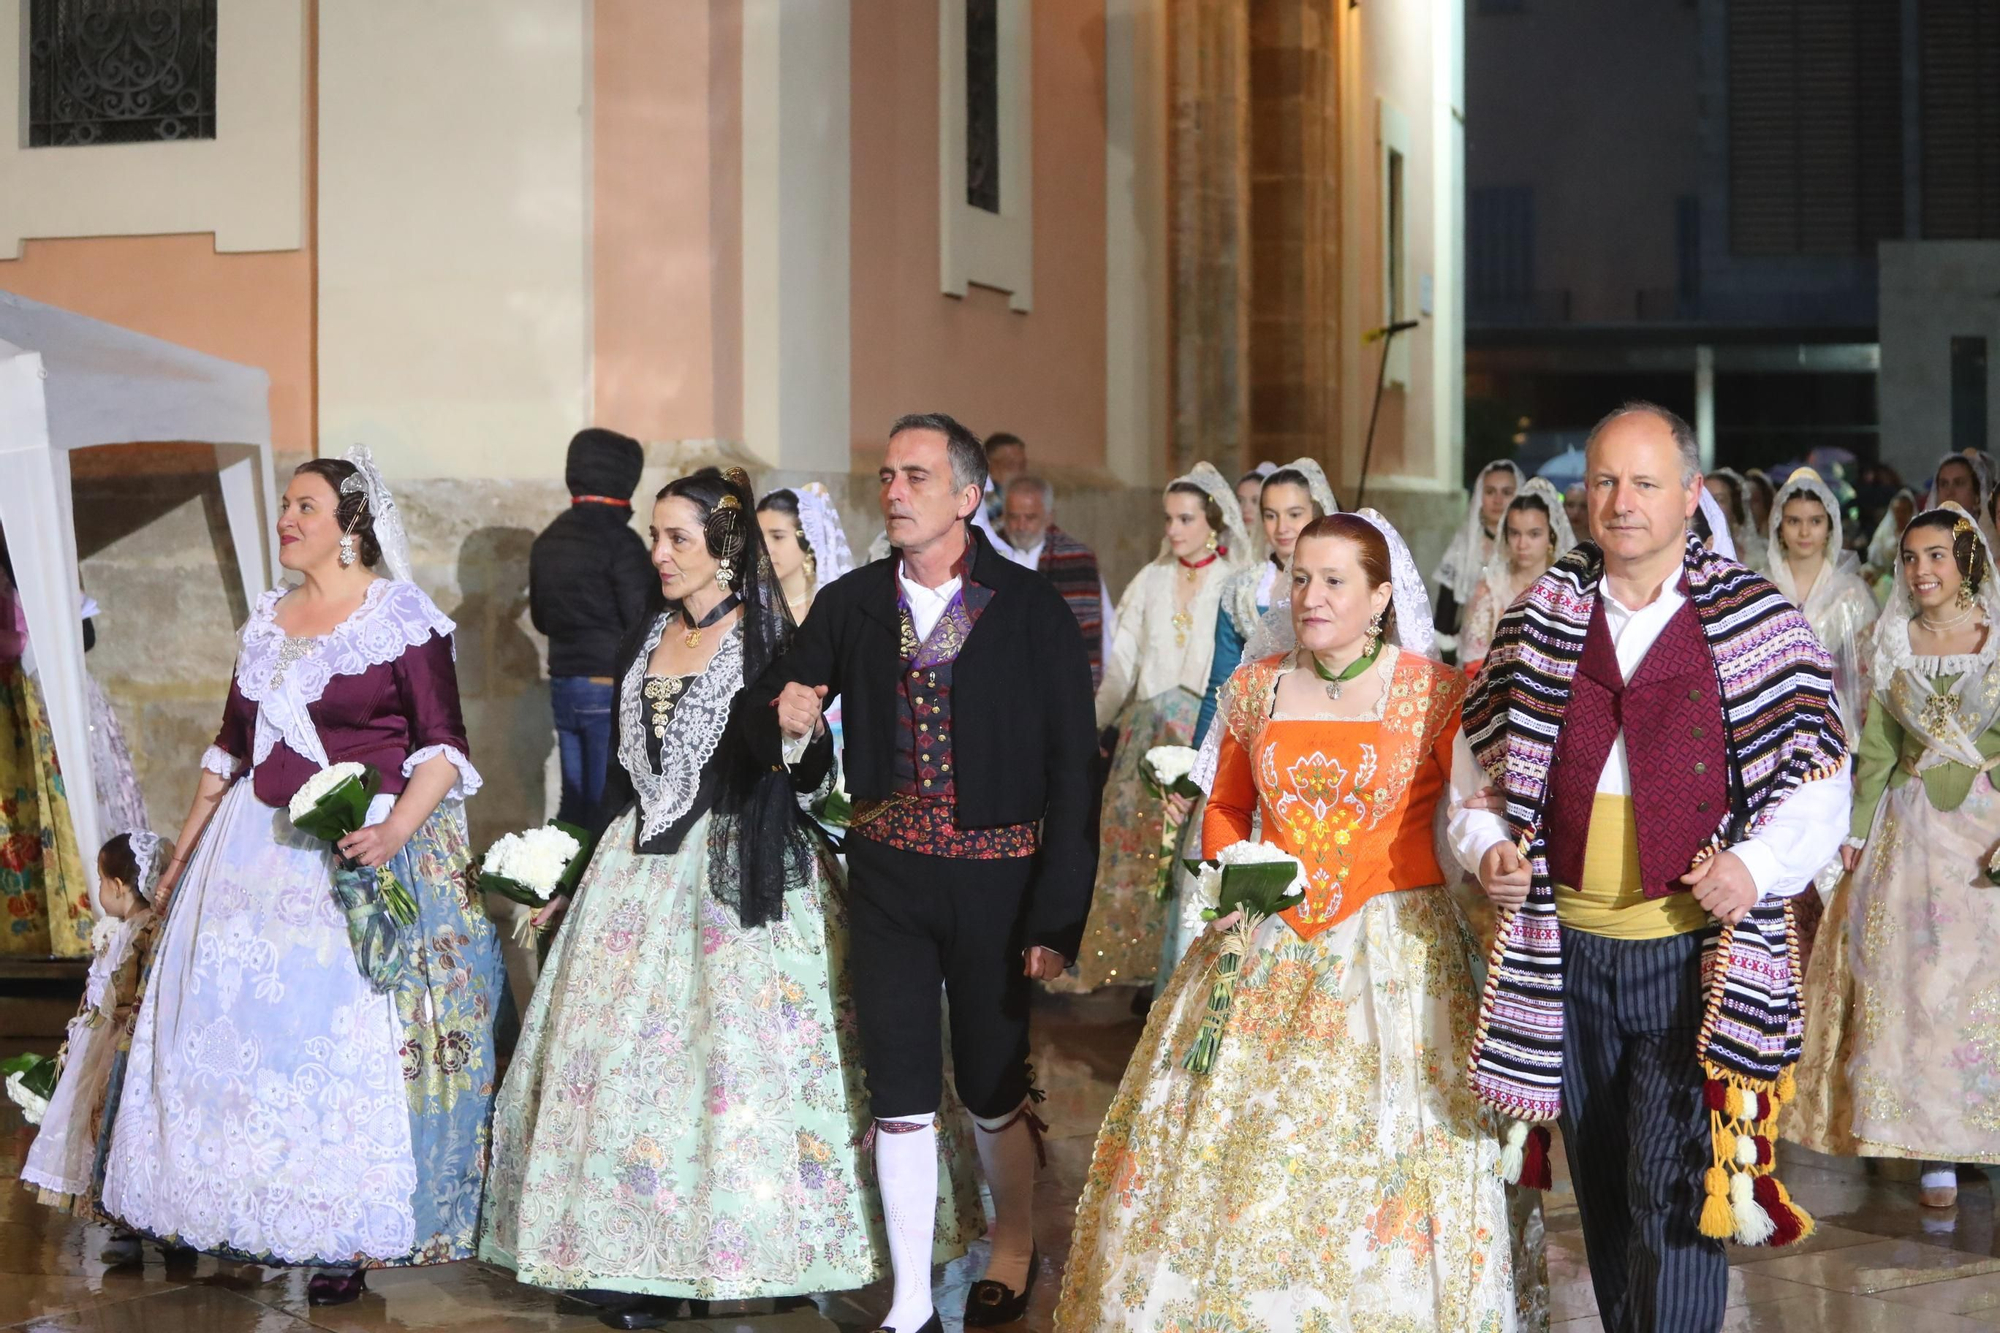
69, 382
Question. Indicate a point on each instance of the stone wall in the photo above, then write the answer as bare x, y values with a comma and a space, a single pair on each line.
159, 562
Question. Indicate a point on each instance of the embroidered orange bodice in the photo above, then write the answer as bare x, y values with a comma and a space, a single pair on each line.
1352, 798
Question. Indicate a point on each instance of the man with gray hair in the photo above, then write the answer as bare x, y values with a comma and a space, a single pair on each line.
1035, 542
1660, 724
968, 735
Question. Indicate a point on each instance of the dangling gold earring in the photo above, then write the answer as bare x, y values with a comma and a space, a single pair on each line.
347, 552
1964, 594
1213, 540
724, 576
1374, 640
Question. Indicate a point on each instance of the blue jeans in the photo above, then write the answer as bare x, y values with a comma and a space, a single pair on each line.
583, 735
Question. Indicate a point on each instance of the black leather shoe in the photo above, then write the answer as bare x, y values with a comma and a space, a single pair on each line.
653, 1312
935, 1324
990, 1304
335, 1288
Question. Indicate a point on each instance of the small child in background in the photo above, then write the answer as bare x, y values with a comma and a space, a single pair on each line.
60, 1163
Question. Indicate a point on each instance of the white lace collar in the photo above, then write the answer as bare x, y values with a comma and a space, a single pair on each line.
284, 675
700, 717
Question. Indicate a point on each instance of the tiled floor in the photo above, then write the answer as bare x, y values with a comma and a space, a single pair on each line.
1879, 1262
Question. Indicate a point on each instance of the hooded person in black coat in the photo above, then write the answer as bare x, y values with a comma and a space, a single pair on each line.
588, 578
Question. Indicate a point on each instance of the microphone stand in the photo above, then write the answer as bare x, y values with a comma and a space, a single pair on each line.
1385, 335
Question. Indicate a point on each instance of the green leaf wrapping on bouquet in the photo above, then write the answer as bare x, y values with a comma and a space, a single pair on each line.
1183, 786
586, 843
837, 810
513, 890
1258, 889
344, 809
372, 928
38, 1072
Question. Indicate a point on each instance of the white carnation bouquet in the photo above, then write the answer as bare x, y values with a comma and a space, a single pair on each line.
331, 804
31, 1081
1256, 881
1165, 770
535, 865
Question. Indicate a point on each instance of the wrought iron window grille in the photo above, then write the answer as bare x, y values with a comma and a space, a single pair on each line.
120, 71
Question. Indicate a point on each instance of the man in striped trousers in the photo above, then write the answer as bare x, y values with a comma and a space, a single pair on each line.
1666, 678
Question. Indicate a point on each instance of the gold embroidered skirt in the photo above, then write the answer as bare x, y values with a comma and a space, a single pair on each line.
1902, 1046
1331, 1171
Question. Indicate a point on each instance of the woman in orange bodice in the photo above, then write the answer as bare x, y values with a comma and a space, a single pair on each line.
1331, 1169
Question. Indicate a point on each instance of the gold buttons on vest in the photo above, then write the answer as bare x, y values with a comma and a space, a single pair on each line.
1701, 768
1694, 694
1696, 732
1701, 805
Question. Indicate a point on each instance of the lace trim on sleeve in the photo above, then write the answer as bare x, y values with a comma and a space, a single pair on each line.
220, 762
469, 782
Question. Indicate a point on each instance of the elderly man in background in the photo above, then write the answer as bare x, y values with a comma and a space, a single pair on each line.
1006, 459
1034, 541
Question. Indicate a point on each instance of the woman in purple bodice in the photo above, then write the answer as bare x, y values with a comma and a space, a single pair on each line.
276, 1103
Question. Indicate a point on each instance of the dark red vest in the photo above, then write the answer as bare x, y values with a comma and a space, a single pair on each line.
1671, 713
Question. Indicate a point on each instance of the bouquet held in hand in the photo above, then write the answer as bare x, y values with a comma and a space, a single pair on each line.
331, 804
536, 865
1257, 881
31, 1081
1165, 770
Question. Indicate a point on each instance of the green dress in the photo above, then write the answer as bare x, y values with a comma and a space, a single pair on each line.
685, 1113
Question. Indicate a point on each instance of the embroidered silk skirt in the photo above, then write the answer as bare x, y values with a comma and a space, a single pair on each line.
685, 1111
1902, 1045
44, 898
1331, 1171
274, 1108
1127, 928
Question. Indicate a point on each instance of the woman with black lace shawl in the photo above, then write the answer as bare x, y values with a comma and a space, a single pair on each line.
683, 1113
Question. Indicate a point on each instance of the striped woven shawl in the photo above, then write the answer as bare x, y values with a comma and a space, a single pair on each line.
1784, 729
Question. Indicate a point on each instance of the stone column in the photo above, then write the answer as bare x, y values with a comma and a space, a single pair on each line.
1294, 229
1208, 220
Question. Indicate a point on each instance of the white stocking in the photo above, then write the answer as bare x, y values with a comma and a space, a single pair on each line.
906, 1168
1007, 1155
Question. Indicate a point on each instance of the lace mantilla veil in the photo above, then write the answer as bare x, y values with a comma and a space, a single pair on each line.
1719, 539
820, 522
390, 534
1894, 670
1234, 535
149, 851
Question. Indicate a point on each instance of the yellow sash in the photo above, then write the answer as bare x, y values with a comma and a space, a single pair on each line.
1609, 901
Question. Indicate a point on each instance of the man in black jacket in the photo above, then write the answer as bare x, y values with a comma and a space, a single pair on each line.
588, 575
968, 726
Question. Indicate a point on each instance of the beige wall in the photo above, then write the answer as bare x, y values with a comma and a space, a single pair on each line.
1398, 72
1040, 374
454, 226
246, 185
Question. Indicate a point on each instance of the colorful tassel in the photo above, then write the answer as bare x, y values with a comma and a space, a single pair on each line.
1716, 1094
1535, 1172
1787, 1087
1513, 1155
1718, 1221
1790, 1223
1753, 1225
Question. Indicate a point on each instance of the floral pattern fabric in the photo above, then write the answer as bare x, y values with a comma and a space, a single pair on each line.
272, 1106
685, 1112
1332, 1171
1123, 939
46, 898
1902, 1042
